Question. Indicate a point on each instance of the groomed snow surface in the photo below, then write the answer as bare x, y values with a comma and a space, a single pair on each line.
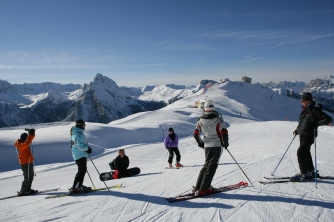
258, 139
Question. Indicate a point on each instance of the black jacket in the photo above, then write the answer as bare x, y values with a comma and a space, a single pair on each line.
122, 164
310, 118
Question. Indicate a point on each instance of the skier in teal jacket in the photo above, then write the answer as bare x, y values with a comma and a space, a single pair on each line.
80, 152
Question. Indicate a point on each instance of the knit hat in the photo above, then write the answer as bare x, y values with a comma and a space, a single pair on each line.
23, 136
80, 123
307, 96
170, 129
209, 106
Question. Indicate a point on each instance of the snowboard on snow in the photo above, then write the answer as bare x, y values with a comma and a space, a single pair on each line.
108, 175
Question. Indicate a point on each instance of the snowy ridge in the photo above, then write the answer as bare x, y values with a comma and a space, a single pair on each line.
167, 93
102, 100
319, 87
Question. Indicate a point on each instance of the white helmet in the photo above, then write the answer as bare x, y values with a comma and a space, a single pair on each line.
209, 106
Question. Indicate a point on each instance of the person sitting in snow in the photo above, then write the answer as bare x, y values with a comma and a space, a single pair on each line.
120, 164
212, 125
171, 143
26, 160
80, 152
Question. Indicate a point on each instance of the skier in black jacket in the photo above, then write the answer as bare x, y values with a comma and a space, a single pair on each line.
310, 118
121, 164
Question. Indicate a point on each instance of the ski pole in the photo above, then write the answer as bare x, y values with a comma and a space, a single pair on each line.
164, 161
97, 171
91, 179
240, 167
32, 148
273, 173
315, 159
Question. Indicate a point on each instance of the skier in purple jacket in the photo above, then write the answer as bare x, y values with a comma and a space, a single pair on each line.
171, 142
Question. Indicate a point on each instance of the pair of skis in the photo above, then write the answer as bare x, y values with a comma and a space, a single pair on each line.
88, 191
190, 196
271, 180
38, 192
175, 168
62, 195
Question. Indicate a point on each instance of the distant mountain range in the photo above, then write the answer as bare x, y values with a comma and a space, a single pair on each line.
99, 101
103, 101
322, 90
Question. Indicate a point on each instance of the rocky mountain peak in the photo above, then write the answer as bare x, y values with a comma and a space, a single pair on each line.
103, 81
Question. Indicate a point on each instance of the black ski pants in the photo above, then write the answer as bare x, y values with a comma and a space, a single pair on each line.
304, 155
82, 169
171, 154
212, 156
28, 175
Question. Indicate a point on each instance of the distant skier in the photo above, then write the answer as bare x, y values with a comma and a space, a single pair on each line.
171, 142
310, 118
26, 160
212, 125
80, 151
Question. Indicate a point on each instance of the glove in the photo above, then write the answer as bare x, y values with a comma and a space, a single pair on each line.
201, 145
31, 132
89, 151
225, 141
115, 174
295, 133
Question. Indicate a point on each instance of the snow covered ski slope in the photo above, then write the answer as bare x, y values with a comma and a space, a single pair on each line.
258, 138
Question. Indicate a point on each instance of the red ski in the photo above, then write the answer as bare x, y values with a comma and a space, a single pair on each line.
189, 196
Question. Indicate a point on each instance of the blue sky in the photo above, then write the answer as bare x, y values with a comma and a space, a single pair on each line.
153, 42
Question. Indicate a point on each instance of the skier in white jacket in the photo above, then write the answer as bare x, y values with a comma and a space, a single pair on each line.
212, 125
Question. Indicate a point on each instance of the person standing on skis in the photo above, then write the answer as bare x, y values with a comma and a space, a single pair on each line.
171, 142
26, 160
80, 151
310, 118
212, 125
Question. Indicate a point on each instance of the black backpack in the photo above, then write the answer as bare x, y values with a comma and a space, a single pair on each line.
112, 165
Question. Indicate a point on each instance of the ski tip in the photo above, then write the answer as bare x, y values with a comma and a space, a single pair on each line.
243, 184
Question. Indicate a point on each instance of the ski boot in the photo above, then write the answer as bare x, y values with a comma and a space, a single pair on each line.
205, 192
194, 190
314, 174
74, 190
80, 189
178, 165
31, 191
300, 177
83, 188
